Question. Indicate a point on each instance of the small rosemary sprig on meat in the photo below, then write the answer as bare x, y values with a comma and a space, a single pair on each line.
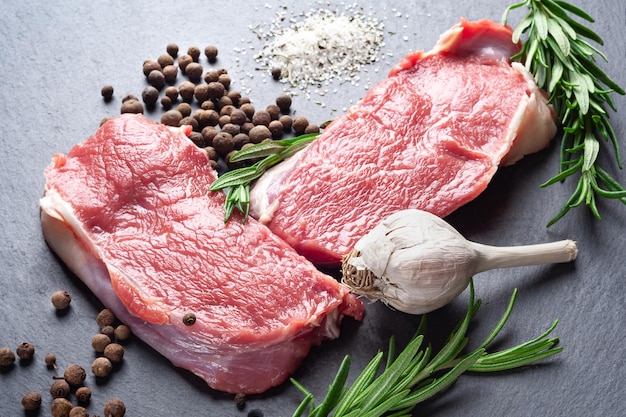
563, 62
237, 181
416, 375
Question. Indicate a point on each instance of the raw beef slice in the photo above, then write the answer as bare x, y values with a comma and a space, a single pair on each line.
430, 137
130, 212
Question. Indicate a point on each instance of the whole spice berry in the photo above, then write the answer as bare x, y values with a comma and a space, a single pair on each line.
171, 118
114, 352
240, 400
99, 342
109, 331
165, 59
274, 111
190, 121
166, 103
101, 367
194, 53
105, 318
183, 61
211, 53
107, 92
171, 92
156, 79
215, 90
283, 101
286, 121
79, 411
61, 407
75, 375
223, 143
211, 76
186, 89
170, 73
122, 332
259, 133
225, 80
131, 106
25, 351
261, 117
114, 408
31, 401
149, 66
7, 357
60, 389
276, 73
276, 129
184, 109
311, 128
83, 395
189, 319
150, 95
194, 71
61, 299
172, 49
51, 360
238, 117
299, 124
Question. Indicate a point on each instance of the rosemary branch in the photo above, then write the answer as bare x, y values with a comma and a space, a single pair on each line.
415, 375
563, 62
237, 182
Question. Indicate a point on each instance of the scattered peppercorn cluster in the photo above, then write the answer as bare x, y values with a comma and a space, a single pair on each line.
222, 119
109, 353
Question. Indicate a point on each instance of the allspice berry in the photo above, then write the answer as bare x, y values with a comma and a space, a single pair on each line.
114, 352
7, 357
211, 53
122, 332
60, 389
75, 375
101, 367
61, 407
83, 395
105, 318
51, 360
107, 92
31, 401
79, 411
25, 351
114, 408
61, 299
131, 106
99, 342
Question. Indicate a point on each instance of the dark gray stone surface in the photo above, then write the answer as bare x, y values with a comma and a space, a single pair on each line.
57, 55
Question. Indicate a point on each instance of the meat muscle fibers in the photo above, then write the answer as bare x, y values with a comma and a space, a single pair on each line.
430, 137
130, 212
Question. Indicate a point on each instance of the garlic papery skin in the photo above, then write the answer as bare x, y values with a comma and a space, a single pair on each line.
416, 262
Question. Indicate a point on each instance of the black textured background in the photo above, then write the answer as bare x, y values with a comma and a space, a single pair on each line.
56, 56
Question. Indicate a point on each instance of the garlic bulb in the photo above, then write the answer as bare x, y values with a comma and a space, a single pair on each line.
416, 262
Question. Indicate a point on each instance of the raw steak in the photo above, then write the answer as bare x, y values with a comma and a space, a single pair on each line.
130, 212
430, 136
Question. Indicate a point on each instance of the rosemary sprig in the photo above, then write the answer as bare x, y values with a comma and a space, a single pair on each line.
415, 375
237, 182
563, 62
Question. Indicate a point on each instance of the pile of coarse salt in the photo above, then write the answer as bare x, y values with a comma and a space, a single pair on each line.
325, 46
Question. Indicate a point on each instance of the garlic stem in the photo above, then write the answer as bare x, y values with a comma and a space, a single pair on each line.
492, 257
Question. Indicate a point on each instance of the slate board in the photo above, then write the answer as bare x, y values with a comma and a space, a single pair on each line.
57, 55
